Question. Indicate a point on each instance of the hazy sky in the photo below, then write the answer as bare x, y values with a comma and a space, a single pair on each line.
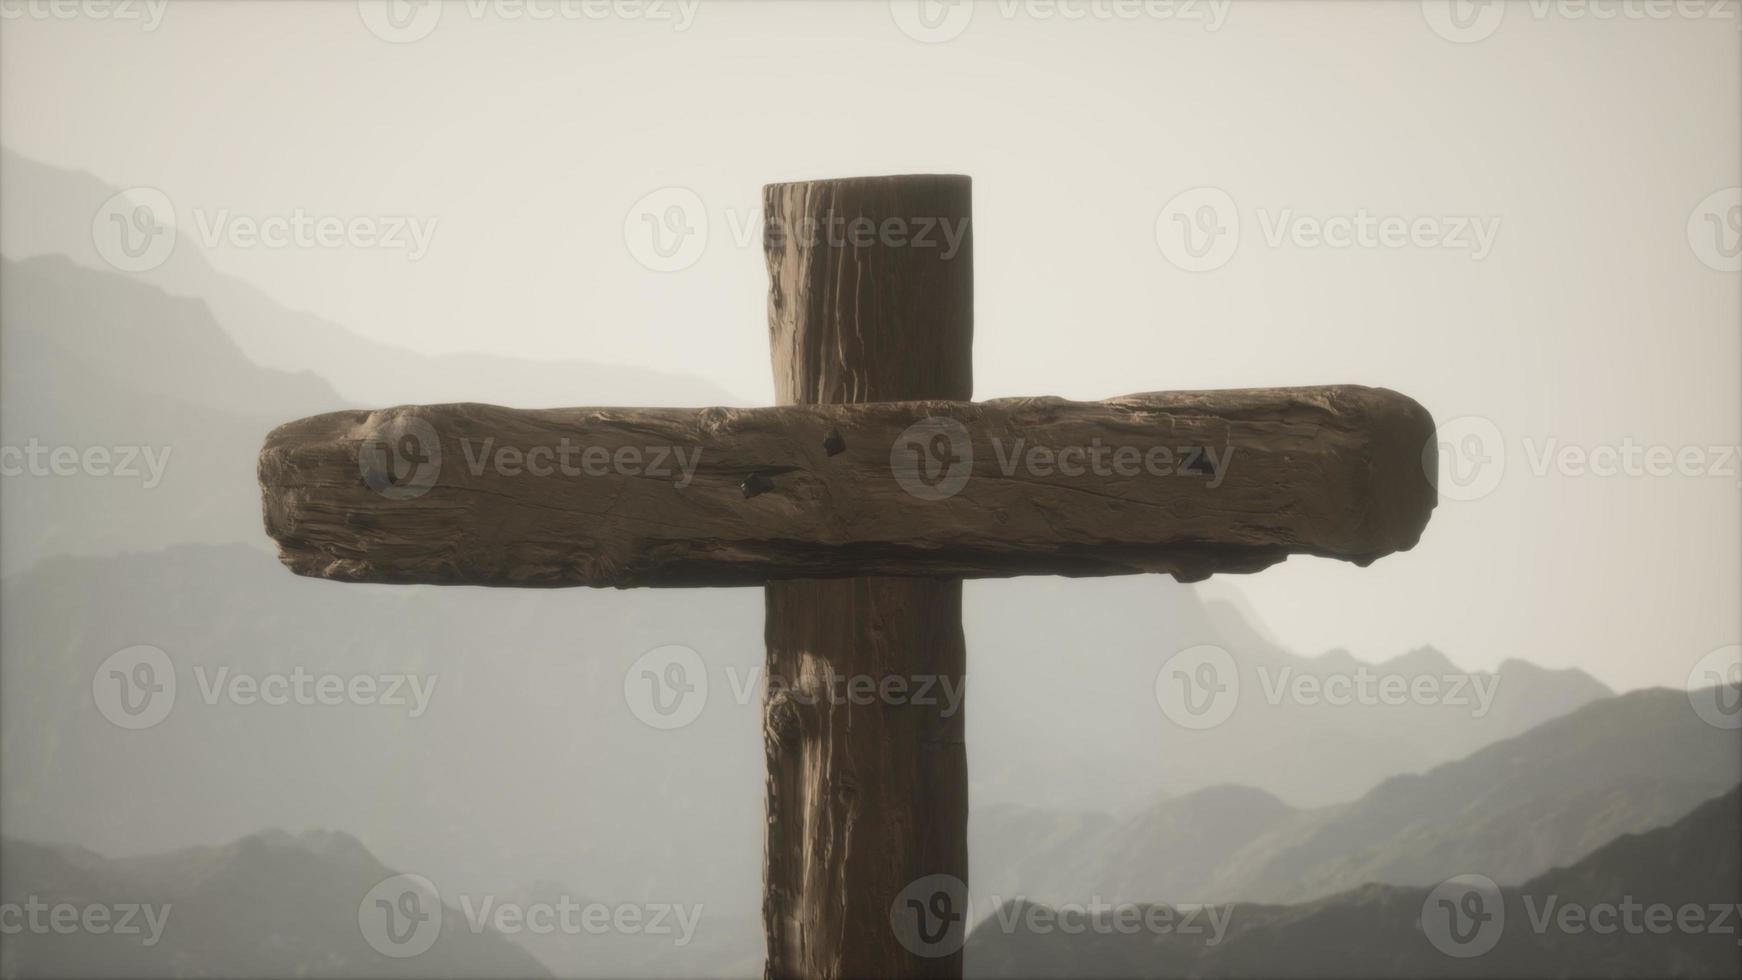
1529, 192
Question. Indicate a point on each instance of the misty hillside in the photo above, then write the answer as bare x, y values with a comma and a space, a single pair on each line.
1545, 798
528, 689
1516, 808
49, 210
1377, 930
1119, 632
267, 905
96, 359
525, 709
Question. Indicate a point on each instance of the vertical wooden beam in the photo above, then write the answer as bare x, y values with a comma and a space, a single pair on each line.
868, 301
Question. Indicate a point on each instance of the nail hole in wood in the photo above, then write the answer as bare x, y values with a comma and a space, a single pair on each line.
756, 485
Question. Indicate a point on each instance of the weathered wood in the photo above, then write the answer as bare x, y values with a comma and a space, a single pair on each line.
864, 800
1185, 483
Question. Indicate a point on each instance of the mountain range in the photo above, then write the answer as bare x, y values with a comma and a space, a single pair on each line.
50, 211
266, 905
1569, 921
1514, 809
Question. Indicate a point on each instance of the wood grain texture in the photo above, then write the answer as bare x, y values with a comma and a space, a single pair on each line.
864, 799
1336, 472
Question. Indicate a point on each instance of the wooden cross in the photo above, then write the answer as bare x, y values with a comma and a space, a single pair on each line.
859, 505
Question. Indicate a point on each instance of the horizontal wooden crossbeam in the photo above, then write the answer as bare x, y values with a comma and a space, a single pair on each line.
1186, 483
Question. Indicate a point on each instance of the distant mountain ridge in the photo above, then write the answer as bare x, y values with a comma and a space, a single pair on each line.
49, 211
1379, 930
270, 904
1115, 635
96, 360
1544, 798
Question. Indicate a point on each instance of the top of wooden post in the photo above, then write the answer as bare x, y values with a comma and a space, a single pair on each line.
844, 326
